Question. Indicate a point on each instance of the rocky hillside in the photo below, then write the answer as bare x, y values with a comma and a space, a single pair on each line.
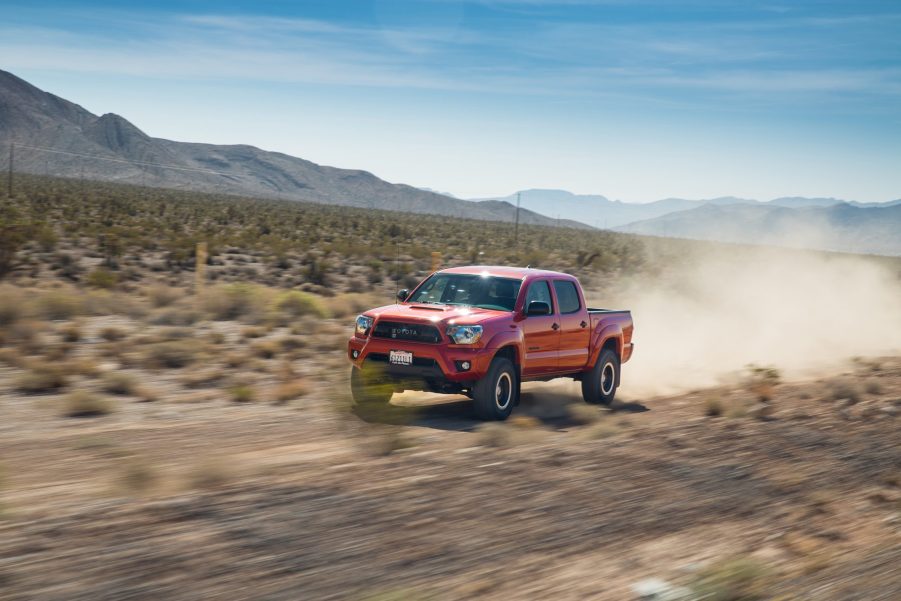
111, 148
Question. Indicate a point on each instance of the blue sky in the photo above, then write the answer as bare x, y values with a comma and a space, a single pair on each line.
636, 100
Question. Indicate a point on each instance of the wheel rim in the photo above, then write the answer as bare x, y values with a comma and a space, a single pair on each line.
608, 378
503, 391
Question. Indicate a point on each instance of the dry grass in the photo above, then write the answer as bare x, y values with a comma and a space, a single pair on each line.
83, 403
119, 383
172, 354
290, 391
42, 379
735, 579
242, 394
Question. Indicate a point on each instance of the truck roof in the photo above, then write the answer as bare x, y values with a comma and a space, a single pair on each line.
518, 273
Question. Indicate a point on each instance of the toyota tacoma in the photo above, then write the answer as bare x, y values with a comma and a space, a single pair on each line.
482, 331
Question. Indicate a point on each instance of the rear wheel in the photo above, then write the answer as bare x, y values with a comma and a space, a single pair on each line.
599, 384
495, 394
367, 389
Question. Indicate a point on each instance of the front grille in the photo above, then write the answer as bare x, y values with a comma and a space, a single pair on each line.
413, 332
417, 361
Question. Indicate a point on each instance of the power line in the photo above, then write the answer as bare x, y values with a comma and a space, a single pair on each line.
115, 160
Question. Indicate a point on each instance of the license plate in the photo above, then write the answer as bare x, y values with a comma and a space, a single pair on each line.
400, 358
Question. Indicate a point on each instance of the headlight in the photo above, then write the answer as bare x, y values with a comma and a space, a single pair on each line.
363, 325
465, 334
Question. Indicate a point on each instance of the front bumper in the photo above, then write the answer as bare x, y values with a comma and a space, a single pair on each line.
434, 362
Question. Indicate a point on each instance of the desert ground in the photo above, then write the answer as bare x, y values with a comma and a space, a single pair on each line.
169, 438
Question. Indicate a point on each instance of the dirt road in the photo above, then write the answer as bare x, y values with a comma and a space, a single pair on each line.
797, 498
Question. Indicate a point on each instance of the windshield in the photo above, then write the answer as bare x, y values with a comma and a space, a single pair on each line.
484, 292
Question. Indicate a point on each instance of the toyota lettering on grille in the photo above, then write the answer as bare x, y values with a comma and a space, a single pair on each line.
405, 332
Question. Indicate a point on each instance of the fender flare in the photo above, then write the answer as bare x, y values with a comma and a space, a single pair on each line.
503, 339
611, 331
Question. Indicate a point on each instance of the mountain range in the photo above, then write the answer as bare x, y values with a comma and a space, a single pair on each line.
601, 212
54, 136
57, 137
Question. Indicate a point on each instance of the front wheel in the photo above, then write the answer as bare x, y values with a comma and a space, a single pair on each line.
599, 384
495, 394
367, 390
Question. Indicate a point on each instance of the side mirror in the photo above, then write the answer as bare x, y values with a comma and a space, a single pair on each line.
402, 295
538, 308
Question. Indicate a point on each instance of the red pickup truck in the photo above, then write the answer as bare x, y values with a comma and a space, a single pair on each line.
483, 330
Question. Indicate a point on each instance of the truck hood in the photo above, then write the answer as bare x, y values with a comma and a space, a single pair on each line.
446, 314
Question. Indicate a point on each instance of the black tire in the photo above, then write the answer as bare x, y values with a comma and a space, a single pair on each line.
367, 390
599, 385
495, 394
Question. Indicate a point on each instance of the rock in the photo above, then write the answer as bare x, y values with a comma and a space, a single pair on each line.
655, 589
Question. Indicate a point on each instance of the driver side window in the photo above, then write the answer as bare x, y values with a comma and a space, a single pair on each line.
539, 291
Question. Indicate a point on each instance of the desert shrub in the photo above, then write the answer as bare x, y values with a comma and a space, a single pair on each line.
845, 391
203, 379
253, 332
234, 301
71, 333
118, 383
172, 354
59, 305
102, 278
290, 391
42, 379
235, 359
163, 296
265, 349
296, 303
873, 387
83, 403
112, 333
174, 317
736, 579
713, 407
83, 366
762, 380
216, 338
242, 394
11, 303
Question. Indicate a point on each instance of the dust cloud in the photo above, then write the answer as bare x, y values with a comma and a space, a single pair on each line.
701, 323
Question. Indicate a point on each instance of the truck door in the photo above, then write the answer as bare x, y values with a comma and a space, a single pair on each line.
541, 332
575, 332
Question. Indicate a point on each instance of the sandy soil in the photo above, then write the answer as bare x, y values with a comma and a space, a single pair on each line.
203, 498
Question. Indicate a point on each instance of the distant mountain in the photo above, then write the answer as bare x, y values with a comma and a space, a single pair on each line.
839, 227
109, 147
597, 211
828, 223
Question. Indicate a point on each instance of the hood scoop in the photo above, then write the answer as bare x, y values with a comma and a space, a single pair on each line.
428, 308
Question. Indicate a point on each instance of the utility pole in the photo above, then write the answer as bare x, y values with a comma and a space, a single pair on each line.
9, 182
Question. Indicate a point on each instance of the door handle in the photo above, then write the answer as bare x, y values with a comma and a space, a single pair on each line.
583, 324
555, 327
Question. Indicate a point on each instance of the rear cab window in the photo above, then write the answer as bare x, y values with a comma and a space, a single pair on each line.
567, 296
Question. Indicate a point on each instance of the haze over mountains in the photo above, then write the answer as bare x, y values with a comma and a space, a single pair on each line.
821, 223
111, 148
